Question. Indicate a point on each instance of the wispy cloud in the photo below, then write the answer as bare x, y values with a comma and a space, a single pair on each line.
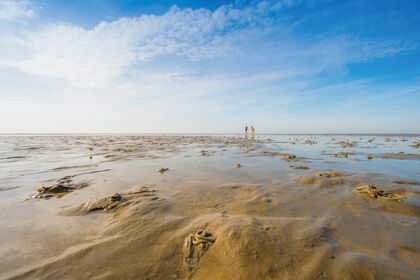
111, 52
16, 10
240, 62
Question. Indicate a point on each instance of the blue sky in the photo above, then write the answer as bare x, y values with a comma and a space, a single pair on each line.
289, 66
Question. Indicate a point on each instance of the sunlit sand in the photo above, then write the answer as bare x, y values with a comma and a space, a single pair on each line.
209, 207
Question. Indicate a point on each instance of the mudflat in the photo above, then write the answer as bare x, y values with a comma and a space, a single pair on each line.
209, 207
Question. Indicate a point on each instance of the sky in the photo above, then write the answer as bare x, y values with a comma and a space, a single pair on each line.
209, 66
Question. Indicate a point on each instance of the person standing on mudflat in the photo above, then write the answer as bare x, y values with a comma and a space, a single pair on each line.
246, 132
252, 133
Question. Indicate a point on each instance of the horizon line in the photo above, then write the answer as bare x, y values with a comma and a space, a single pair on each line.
412, 134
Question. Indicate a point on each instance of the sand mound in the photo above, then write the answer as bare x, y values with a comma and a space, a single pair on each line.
346, 144
302, 167
328, 178
288, 157
249, 247
415, 145
115, 201
374, 192
163, 170
195, 245
329, 174
310, 142
342, 154
60, 188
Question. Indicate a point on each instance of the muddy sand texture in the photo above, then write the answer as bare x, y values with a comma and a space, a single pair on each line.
356, 183
254, 234
243, 227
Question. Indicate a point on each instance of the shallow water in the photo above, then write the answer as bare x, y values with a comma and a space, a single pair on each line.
34, 231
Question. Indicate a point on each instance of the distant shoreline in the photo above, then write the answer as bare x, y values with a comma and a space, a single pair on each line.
203, 134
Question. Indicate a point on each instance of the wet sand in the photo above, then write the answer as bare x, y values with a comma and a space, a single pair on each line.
209, 207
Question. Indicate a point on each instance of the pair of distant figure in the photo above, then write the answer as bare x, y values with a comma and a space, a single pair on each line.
252, 132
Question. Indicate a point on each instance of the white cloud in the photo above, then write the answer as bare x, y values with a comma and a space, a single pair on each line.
15, 10
185, 70
103, 54
113, 53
